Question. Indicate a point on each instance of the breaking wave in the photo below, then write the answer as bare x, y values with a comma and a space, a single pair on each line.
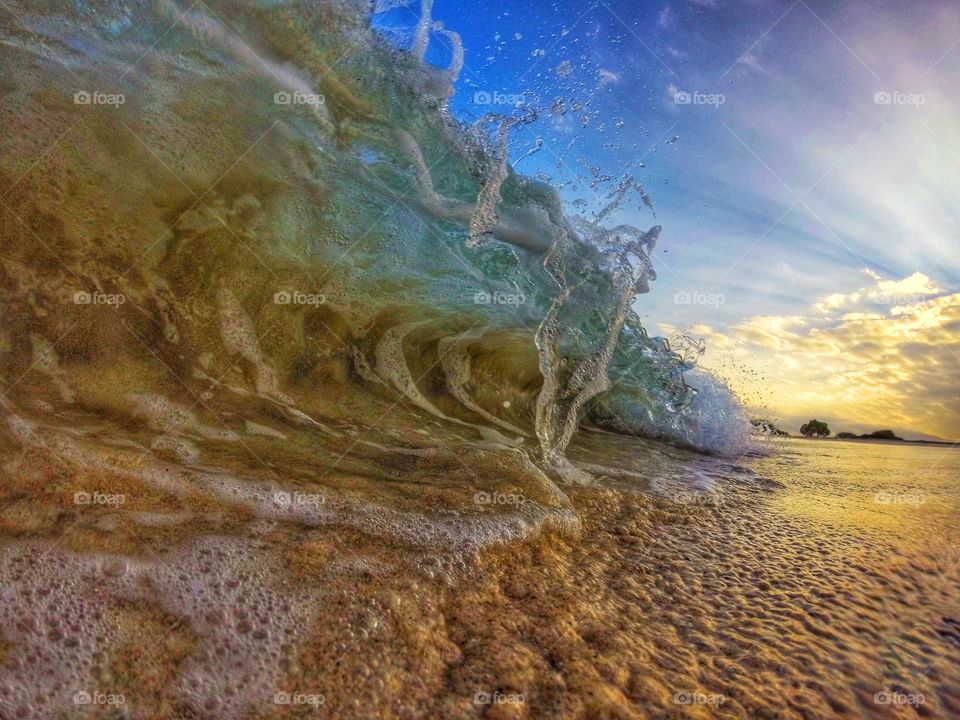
298, 215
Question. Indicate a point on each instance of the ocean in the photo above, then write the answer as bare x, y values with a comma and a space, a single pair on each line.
314, 406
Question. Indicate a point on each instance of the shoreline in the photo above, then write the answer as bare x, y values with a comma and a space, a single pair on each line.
875, 441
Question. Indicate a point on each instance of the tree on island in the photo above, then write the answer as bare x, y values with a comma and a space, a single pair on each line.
814, 428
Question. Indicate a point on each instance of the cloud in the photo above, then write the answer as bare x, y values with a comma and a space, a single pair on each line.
886, 355
665, 17
893, 293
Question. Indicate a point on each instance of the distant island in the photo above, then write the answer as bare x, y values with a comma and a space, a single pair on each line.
876, 435
819, 429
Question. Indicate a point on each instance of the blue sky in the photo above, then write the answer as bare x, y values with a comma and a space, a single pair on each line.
817, 158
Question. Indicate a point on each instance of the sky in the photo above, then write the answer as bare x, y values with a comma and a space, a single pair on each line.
802, 159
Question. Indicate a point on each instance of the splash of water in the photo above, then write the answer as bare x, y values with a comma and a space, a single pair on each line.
372, 196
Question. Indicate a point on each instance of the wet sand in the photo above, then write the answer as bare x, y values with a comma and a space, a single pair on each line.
768, 588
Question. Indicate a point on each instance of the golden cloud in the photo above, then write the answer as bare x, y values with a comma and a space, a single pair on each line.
886, 355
